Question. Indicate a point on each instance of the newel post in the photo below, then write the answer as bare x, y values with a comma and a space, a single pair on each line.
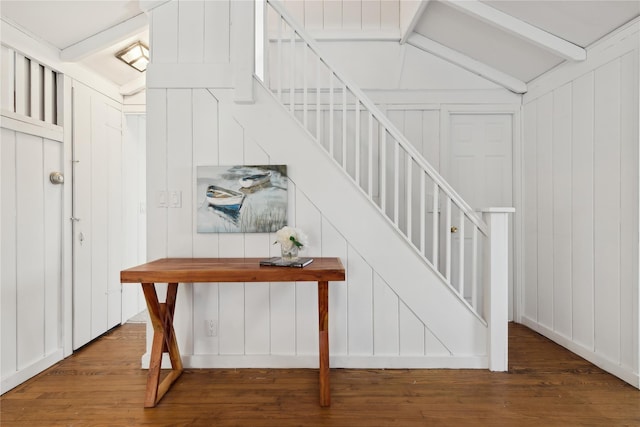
496, 289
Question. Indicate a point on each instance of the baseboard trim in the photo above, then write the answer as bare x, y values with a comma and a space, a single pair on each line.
211, 361
611, 367
22, 375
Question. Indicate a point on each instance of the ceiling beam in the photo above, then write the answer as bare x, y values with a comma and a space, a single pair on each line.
134, 86
105, 39
469, 64
519, 28
415, 18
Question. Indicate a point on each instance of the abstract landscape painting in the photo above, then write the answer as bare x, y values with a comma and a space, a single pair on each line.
241, 199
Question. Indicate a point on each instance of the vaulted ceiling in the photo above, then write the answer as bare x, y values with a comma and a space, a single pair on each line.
510, 42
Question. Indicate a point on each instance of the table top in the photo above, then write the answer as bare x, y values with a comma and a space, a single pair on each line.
197, 270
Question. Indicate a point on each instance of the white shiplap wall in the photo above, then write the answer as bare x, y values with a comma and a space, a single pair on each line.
271, 324
367, 317
581, 205
31, 248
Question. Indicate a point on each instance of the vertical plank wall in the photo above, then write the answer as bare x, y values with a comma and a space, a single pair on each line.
134, 208
367, 318
31, 224
581, 209
190, 127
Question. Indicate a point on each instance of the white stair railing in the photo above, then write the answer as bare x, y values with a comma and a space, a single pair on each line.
410, 193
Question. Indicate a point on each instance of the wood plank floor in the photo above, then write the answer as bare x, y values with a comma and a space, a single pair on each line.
103, 385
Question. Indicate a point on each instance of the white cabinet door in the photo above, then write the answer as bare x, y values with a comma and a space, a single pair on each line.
97, 209
480, 170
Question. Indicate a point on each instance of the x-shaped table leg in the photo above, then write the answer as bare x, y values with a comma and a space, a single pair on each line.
164, 339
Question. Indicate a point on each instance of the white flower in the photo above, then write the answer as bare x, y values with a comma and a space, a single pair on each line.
289, 236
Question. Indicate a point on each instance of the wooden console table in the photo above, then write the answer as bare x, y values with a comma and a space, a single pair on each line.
195, 270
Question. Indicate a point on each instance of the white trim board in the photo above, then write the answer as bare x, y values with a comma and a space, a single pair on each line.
22, 375
242, 361
28, 125
611, 367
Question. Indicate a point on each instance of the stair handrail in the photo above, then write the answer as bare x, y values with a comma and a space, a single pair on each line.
383, 120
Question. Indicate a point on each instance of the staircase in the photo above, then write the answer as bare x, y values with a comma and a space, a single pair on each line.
438, 256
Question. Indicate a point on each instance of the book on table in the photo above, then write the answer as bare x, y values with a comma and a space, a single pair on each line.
279, 262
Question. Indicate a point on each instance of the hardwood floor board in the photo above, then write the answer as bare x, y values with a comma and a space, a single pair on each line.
102, 385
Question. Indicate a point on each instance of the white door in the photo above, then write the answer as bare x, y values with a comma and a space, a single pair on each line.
480, 167
97, 212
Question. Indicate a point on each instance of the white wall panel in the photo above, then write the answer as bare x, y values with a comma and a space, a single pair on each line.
156, 172
205, 153
332, 15
562, 185
629, 210
232, 322
257, 325
282, 299
191, 20
82, 209
386, 337
216, 31
411, 333
115, 189
164, 34
98, 237
134, 208
52, 161
351, 15
594, 212
360, 300
389, 14
333, 244
607, 210
582, 242
8, 273
545, 209
30, 269
371, 15
31, 249
307, 218
180, 172
313, 14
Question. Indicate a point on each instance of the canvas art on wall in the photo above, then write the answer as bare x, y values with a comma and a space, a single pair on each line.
241, 199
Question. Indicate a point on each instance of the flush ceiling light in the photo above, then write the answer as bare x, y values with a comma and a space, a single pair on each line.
136, 55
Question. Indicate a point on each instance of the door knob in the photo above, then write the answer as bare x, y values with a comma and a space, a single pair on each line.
454, 229
56, 178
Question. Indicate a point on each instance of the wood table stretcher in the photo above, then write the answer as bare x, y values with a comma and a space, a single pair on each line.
195, 270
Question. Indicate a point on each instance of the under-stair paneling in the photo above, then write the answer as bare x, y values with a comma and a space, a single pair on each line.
412, 333
386, 321
360, 300
334, 244
581, 197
